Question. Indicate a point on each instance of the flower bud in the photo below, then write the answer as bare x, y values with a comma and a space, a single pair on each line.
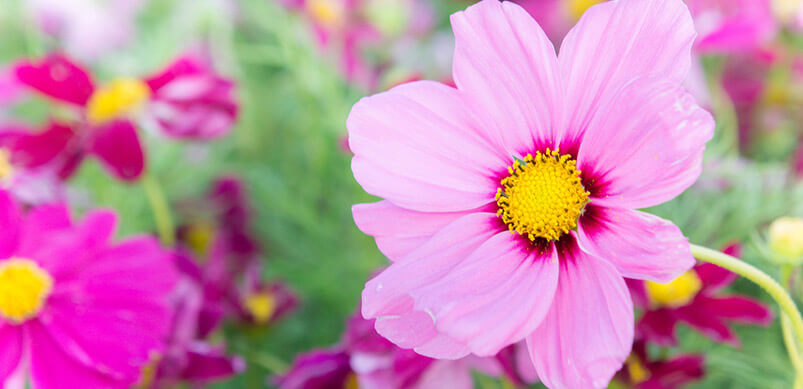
786, 239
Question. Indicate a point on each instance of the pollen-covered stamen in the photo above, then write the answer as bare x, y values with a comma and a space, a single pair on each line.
24, 288
121, 97
542, 197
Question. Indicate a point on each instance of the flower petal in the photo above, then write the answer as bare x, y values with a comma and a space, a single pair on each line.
658, 326
418, 146
11, 342
709, 325
399, 231
588, 331
645, 145
35, 149
737, 308
118, 146
638, 244
713, 277
616, 42
503, 278
507, 68
388, 295
56, 76
10, 219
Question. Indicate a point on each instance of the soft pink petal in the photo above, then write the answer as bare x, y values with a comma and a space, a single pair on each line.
37, 148
418, 146
411, 329
399, 231
645, 145
616, 42
507, 68
387, 296
588, 331
503, 278
11, 342
117, 145
638, 244
10, 219
446, 374
56, 76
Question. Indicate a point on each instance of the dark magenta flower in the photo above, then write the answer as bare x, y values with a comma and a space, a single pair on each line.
187, 100
643, 372
695, 298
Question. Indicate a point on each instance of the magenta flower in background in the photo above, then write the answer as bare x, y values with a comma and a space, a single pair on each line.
695, 298
736, 26
87, 29
189, 357
366, 360
509, 201
69, 295
184, 101
642, 372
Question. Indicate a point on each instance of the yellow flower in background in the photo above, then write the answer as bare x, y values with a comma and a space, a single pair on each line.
786, 238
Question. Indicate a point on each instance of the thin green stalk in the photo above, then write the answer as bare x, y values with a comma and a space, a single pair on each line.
789, 310
160, 208
788, 336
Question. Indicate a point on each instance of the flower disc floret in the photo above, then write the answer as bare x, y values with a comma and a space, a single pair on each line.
543, 196
24, 288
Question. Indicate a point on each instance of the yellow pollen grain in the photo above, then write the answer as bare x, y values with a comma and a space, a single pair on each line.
676, 293
24, 288
6, 168
542, 197
119, 98
261, 306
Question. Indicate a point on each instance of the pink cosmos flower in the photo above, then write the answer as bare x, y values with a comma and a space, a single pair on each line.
694, 298
28, 184
76, 309
366, 360
509, 200
184, 101
642, 372
735, 26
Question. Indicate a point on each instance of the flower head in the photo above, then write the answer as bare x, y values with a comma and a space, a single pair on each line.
509, 201
786, 238
187, 100
77, 309
694, 298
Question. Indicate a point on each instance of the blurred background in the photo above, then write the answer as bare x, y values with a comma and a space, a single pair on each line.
279, 181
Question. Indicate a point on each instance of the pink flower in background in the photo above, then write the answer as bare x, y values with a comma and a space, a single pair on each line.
509, 201
184, 101
694, 298
643, 372
366, 360
69, 295
87, 29
733, 26
19, 175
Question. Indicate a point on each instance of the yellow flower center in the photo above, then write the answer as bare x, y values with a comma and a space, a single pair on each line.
199, 237
329, 13
543, 196
121, 97
6, 168
24, 287
261, 306
351, 382
676, 293
636, 369
577, 8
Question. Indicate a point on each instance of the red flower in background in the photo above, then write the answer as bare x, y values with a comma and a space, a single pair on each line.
642, 372
694, 298
187, 100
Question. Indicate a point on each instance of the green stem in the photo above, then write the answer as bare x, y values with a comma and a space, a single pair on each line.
788, 336
789, 310
160, 208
